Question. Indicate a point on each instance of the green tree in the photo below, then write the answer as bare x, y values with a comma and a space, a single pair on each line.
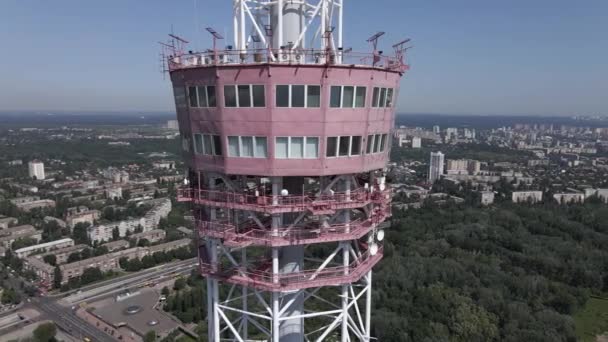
57, 277
150, 336
90, 275
115, 233
50, 259
80, 233
45, 332
179, 284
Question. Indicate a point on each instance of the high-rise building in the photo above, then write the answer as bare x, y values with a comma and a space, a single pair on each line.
436, 129
416, 142
36, 169
272, 178
436, 166
172, 124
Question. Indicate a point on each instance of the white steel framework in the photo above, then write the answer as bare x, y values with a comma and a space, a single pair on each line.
289, 25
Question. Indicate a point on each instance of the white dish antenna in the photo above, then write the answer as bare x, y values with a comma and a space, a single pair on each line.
380, 235
284, 192
373, 249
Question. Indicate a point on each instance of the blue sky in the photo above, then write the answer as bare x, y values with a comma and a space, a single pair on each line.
547, 57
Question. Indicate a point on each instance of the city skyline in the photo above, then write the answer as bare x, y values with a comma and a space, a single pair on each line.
475, 58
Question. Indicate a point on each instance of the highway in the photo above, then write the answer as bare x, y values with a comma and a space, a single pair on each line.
58, 308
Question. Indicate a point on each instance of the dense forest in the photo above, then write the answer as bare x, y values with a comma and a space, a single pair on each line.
505, 273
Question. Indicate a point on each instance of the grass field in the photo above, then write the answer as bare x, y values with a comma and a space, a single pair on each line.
592, 320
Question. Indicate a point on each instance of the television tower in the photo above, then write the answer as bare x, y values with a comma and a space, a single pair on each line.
286, 135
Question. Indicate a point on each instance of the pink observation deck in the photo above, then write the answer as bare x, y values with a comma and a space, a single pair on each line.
286, 147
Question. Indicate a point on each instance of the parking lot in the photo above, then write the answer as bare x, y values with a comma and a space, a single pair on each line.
142, 318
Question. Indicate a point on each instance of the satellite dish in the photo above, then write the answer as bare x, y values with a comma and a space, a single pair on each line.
380, 235
366, 186
331, 192
382, 186
186, 181
284, 192
370, 239
373, 249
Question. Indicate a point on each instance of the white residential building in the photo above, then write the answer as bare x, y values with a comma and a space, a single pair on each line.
43, 247
436, 166
416, 142
36, 169
524, 196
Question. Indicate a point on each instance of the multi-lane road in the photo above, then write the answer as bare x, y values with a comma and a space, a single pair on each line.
59, 308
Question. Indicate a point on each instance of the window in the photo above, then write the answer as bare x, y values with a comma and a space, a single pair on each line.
377, 143
207, 145
201, 96
383, 142
192, 96
332, 147
344, 146
180, 97
296, 147
281, 148
355, 146
376, 97
233, 147
211, 96
313, 97
370, 144
298, 96
347, 97
244, 96
261, 147
335, 97
259, 96
230, 96
389, 97
360, 100
312, 147
246, 147
383, 97
282, 96
198, 143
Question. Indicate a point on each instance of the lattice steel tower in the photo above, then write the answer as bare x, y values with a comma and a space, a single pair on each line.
286, 135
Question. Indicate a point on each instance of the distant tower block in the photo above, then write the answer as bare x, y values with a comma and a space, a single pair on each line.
436, 166
36, 169
286, 138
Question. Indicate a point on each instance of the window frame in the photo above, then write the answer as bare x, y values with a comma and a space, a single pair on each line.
240, 145
252, 103
353, 104
290, 95
304, 147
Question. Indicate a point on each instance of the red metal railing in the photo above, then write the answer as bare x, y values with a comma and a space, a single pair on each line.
262, 279
253, 235
305, 56
283, 204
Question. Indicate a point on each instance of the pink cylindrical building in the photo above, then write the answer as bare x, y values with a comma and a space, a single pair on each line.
286, 146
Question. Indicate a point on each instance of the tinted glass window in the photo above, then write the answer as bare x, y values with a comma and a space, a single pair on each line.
211, 96
202, 97
297, 148
230, 96
246, 146
360, 101
344, 146
259, 98
233, 147
314, 96
280, 150
261, 147
370, 144
312, 147
355, 146
297, 95
335, 97
244, 96
217, 145
192, 96
282, 96
348, 97
332, 145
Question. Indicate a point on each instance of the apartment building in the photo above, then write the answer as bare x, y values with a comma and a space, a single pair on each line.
525, 196
43, 247
10, 235
152, 236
